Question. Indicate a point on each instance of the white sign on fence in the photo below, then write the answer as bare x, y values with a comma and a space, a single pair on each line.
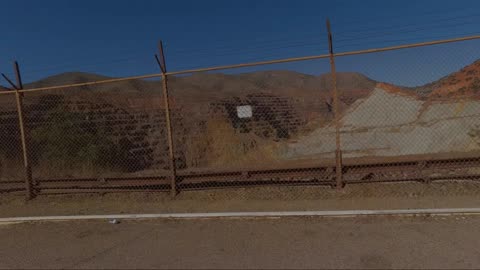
244, 111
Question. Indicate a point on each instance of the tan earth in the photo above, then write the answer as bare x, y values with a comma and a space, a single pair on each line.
447, 194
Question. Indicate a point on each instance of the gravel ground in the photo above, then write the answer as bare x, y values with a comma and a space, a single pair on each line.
358, 196
274, 243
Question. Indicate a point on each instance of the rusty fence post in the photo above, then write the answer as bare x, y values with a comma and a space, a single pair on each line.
338, 150
23, 133
171, 149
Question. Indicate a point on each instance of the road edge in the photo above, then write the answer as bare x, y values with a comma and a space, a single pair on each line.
218, 215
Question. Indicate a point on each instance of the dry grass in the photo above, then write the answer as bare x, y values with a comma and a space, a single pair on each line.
223, 146
10, 169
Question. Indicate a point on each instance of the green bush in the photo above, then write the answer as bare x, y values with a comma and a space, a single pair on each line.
68, 139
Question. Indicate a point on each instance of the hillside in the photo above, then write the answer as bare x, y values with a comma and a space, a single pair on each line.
66, 78
392, 123
439, 117
465, 82
311, 91
202, 87
278, 82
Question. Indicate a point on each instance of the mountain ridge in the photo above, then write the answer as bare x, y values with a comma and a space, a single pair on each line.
204, 86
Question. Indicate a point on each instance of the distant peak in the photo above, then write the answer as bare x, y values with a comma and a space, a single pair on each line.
68, 78
73, 74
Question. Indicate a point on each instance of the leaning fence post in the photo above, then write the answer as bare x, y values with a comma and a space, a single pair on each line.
338, 150
173, 169
23, 136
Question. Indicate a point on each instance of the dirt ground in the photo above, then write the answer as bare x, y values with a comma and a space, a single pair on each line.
368, 242
359, 196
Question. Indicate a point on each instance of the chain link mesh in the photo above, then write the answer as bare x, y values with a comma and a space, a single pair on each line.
11, 158
109, 136
272, 131
409, 128
235, 129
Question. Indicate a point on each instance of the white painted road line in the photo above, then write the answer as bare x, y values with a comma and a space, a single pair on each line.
342, 213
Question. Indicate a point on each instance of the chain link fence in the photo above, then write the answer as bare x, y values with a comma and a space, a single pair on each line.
11, 159
420, 124
234, 129
254, 127
102, 136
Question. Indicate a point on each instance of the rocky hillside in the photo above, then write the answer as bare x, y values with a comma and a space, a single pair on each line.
212, 86
311, 94
439, 117
465, 82
392, 122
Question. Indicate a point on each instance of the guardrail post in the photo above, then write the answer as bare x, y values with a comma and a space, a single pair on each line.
338, 150
23, 135
171, 152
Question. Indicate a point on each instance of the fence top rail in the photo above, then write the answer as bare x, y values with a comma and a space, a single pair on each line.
148, 76
284, 60
8, 92
297, 59
406, 46
262, 63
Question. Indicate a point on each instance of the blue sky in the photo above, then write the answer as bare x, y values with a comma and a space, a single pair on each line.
119, 38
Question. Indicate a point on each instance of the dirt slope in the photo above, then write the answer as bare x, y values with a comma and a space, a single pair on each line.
465, 82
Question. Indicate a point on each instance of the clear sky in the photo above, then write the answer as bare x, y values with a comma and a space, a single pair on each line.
119, 38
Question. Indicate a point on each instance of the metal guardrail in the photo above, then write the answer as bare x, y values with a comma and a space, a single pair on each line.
356, 170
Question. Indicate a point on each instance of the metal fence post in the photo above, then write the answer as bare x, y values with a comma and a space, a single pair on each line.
173, 169
23, 135
338, 150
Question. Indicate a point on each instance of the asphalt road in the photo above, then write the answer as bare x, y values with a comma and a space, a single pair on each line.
366, 242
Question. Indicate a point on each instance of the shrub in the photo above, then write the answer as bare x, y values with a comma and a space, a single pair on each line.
67, 139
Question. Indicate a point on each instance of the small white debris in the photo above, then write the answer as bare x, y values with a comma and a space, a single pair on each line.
114, 221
